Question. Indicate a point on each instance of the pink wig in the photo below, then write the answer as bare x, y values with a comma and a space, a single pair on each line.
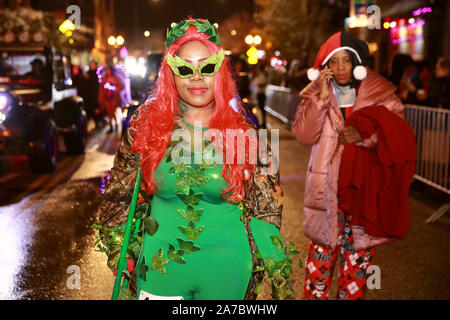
155, 123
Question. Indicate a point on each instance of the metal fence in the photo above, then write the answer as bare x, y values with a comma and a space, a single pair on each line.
431, 127
281, 103
432, 130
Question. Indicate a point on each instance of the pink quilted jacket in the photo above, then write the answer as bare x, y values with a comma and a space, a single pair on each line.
318, 122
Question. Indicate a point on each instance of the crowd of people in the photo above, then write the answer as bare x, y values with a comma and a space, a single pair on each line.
202, 216
416, 82
101, 92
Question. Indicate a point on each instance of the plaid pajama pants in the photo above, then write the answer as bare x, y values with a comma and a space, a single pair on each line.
352, 268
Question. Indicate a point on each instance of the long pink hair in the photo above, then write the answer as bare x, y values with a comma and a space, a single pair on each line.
155, 123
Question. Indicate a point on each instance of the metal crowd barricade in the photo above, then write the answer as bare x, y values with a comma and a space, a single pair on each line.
281, 103
432, 129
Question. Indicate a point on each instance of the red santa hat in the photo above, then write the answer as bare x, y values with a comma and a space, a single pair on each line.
337, 42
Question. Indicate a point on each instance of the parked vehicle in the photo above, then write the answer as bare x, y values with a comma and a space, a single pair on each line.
38, 103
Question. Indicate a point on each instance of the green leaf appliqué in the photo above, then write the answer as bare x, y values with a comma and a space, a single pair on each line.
175, 255
198, 176
125, 294
277, 242
182, 187
192, 199
187, 246
143, 269
191, 214
292, 248
191, 231
150, 225
158, 262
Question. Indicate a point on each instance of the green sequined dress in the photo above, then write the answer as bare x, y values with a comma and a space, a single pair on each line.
203, 247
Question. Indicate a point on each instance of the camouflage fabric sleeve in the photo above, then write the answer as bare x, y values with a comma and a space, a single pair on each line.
264, 196
264, 201
119, 189
113, 210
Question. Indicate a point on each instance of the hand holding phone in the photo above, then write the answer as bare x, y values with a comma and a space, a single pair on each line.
326, 74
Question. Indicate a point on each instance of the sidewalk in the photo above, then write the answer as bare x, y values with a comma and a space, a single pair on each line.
416, 267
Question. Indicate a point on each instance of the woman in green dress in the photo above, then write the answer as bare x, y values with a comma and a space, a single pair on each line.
211, 215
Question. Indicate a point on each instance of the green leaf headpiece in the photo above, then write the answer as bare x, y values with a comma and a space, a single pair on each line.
180, 29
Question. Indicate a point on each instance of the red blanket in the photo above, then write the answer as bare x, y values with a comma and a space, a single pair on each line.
374, 184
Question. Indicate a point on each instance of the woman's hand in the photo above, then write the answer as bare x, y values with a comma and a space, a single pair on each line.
349, 135
325, 75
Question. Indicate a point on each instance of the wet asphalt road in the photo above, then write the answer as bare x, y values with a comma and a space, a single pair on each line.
45, 235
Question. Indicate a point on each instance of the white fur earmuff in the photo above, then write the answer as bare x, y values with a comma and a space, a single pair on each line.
313, 74
360, 72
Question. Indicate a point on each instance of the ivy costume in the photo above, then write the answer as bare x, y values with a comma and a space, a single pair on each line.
193, 243
203, 247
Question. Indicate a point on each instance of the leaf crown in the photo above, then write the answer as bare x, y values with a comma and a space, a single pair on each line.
203, 26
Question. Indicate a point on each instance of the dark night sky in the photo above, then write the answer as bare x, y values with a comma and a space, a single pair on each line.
160, 13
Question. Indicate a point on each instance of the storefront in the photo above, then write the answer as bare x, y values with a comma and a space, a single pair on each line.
411, 27
408, 33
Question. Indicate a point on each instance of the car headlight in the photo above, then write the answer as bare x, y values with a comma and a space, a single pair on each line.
3, 102
4, 106
2, 117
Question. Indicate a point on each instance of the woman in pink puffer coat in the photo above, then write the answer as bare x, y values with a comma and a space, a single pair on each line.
343, 85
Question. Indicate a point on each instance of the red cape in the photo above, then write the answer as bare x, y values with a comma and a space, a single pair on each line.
373, 185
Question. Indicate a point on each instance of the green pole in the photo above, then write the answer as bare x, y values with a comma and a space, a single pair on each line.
122, 264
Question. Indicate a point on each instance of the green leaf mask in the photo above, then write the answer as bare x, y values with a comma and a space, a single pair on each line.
184, 69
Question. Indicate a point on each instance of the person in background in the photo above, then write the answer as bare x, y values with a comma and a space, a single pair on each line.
39, 73
400, 63
109, 96
415, 83
260, 81
5, 68
91, 103
439, 95
346, 114
37, 69
80, 83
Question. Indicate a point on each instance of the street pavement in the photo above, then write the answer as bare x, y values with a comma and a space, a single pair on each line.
46, 239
